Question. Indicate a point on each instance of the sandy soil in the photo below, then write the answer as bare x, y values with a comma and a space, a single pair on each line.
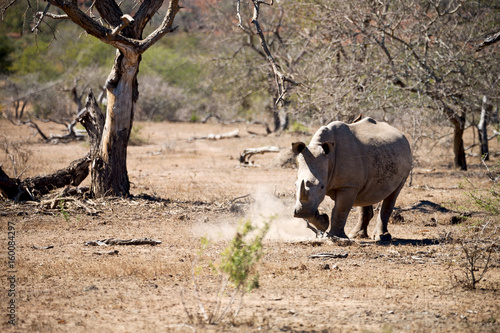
184, 190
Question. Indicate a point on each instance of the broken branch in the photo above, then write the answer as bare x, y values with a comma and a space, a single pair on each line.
249, 152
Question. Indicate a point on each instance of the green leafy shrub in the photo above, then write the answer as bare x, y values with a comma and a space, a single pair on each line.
237, 271
240, 258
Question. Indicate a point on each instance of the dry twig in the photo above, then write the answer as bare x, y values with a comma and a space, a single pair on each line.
114, 241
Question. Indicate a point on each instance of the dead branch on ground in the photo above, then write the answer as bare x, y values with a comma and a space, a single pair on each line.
60, 201
29, 188
232, 134
249, 152
115, 241
488, 40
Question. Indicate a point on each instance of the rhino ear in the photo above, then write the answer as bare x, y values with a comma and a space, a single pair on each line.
298, 147
327, 147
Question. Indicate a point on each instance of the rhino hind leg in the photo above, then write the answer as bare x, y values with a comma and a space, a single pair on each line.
361, 229
381, 233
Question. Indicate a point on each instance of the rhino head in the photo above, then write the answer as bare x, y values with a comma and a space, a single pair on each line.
312, 180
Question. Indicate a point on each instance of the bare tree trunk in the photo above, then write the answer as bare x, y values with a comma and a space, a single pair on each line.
280, 117
458, 122
109, 136
482, 129
460, 160
109, 172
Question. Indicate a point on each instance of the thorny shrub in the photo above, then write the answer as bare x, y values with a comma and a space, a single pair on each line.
481, 245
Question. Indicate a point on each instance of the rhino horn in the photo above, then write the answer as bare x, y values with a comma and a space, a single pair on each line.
303, 197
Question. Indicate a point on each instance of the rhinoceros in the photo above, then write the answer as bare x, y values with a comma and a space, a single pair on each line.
357, 164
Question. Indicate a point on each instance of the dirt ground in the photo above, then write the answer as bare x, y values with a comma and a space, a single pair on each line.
184, 190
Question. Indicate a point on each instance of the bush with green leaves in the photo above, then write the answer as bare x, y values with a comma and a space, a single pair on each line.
237, 270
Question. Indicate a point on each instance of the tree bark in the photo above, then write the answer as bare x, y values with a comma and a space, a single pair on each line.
482, 129
460, 160
458, 122
281, 121
109, 174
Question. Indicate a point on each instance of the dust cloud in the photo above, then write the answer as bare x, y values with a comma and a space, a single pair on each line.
265, 206
284, 226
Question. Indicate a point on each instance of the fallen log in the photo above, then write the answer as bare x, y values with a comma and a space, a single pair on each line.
232, 134
249, 152
30, 188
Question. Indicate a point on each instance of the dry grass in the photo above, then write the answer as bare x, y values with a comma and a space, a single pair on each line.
408, 285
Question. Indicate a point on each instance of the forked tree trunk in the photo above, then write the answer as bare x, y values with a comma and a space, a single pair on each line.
109, 173
109, 135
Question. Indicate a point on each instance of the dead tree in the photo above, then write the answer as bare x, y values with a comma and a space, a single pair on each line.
282, 81
125, 33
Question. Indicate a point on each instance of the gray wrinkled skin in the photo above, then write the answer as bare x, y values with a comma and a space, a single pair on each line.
358, 164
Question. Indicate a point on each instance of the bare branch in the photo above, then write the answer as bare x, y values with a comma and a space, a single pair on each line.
4, 9
42, 15
489, 40
55, 16
164, 28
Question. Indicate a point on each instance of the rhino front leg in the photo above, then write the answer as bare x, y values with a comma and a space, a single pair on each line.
361, 229
344, 199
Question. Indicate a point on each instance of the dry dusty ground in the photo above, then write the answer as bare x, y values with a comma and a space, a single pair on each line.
184, 190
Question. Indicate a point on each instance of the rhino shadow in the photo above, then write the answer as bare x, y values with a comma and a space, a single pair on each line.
426, 206
413, 242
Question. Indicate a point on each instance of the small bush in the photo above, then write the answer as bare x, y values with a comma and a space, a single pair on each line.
489, 199
478, 250
237, 271
482, 239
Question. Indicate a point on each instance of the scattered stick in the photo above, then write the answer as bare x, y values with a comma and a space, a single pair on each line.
72, 134
249, 152
43, 247
327, 255
232, 134
240, 197
110, 253
57, 202
114, 241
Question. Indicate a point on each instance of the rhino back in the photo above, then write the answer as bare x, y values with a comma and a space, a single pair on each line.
371, 156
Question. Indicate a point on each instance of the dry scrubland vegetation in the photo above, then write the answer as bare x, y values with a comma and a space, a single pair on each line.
418, 65
184, 192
